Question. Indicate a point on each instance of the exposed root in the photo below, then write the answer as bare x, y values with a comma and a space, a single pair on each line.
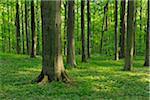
44, 80
39, 78
65, 77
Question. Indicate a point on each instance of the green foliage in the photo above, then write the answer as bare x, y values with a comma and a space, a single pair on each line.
100, 78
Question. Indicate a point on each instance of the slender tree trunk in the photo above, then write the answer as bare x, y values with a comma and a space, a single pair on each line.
122, 29
106, 21
82, 31
70, 34
52, 63
3, 30
147, 53
130, 33
65, 27
38, 27
103, 30
23, 46
9, 46
116, 30
18, 46
134, 37
88, 26
26, 28
33, 49
140, 36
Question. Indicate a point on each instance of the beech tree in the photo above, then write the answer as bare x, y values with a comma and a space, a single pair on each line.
147, 53
82, 31
52, 63
33, 48
88, 28
116, 30
26, 27
23, 45
70, 34
122, 29
130, 34
18, 46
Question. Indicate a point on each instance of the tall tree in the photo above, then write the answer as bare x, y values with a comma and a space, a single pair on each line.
116, 30
106, 21
18, 46
26, 28
38, 27
103, 27
78, 33
70, 34
88, 26
82, 31
65, 26
122, 29
8, 11
33, 49
52, 63
3, 28
130, 34
23, 45
147, 53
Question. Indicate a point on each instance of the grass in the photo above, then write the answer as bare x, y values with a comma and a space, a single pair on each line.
100, 78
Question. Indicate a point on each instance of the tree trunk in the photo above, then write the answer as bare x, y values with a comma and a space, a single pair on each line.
38, 27
88, 26
26, 28
9, 46
116, 30
106, 21
65, 27
82, 31
129, 38
33, 49
122, 29
3, 29
18, 47
147, 53
103, 30
52, 63
78, 35
135, 26
70, 35
23, 47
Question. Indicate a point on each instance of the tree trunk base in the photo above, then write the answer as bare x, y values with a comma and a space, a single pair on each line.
43, 79
147, 64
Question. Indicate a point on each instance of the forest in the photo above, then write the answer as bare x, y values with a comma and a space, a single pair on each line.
75, 49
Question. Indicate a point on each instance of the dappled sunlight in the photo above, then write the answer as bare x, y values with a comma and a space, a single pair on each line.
97, 78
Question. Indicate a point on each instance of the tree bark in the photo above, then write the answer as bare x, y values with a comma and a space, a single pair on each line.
3, 30
52, 63
103, 29
26, 28
147, 53
65, 27
82, 31
33, 49
8, 10
38, 27
18, 46
129, 38
70, 35
116, 30
88, 26
23, 46
106, 21
122, 29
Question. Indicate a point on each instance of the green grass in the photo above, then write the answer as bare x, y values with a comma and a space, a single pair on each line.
99, 78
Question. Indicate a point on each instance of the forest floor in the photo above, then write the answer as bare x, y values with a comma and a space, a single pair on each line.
100, 78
